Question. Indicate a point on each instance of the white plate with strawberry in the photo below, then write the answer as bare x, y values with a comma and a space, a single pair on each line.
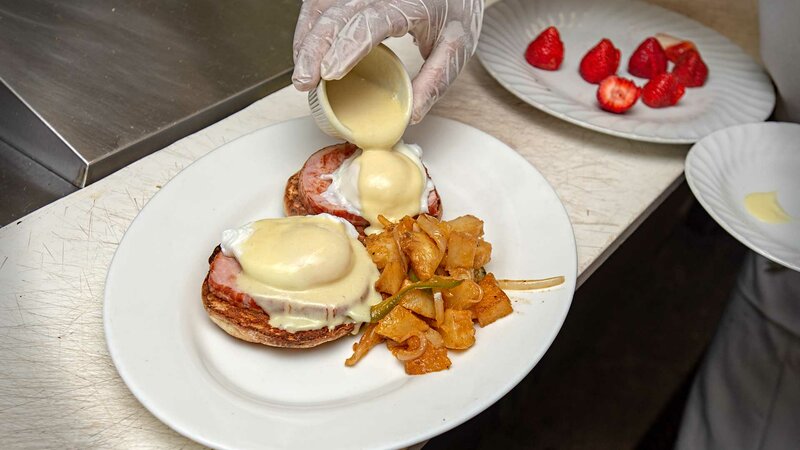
624, 68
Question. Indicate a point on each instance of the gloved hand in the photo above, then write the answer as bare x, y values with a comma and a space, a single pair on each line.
333, 35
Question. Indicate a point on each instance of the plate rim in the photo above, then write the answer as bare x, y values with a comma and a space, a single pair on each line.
692, 155
541, 106
437, 428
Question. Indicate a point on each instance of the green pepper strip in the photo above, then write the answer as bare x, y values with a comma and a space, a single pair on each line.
383, 308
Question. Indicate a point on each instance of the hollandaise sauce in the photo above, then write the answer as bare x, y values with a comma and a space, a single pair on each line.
764, 206
371, 111
389, 182
305, 272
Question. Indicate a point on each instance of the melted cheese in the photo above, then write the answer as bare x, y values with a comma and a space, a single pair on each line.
764, 206
389, 182
306, 272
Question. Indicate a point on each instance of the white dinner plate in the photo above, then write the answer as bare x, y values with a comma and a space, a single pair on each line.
737, 91
227, 393
763, 157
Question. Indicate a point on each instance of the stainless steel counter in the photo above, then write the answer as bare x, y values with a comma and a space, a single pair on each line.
90, 86
25, 185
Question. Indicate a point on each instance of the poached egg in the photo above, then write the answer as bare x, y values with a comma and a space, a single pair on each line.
306, 272
392, 183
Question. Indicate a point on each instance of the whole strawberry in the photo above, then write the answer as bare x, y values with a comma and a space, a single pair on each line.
600, 62
662, 90
546, 51
648, 60
617, 94
691, 70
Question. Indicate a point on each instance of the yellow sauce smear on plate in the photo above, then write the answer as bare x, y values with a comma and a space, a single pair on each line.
764, 206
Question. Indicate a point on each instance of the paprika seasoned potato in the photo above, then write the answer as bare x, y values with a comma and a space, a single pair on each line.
467, 224
391, 279
432, 360
400, 324
457, 330
382, 248
435, 273
494, 304
423, 253
435, 230
483, 254
461, 248
463, 296
419, 301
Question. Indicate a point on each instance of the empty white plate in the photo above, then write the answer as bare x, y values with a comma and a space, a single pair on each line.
726, 166
737, 91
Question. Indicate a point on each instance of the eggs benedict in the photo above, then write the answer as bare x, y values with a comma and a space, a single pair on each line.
379, 174
331, 179
291, 282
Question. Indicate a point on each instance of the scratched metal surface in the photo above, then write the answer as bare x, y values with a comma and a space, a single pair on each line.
111, 82
58, 386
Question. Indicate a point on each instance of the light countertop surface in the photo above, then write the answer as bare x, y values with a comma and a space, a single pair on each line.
58, 385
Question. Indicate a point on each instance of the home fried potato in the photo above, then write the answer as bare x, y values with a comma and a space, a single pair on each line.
423, 253
382, 248
434, 338
462, 273
494, 304
461, 249
433, 316
432, 360
434, 229
405, 224
463, 296
400, 324
483, 254
457, 329
419, 301
391, 278
467, 224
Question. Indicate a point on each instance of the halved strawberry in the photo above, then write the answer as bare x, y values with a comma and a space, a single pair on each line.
617, 94
674, 47
546, 51
663, 90
677, 51
600, 62
648, 60
691, 70
667, 40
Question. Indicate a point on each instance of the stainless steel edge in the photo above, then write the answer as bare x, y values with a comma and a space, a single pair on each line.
27, 132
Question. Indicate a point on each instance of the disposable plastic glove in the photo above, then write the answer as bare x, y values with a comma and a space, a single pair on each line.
333, 35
